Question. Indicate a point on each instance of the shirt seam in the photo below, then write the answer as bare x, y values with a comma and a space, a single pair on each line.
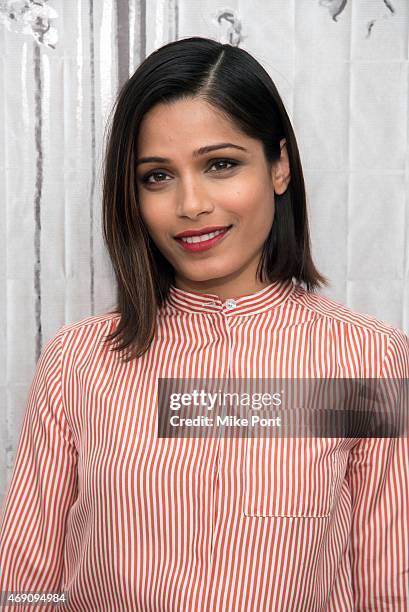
340, 319
63, 332
71, 438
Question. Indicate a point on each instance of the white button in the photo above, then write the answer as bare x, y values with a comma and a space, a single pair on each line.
230, 304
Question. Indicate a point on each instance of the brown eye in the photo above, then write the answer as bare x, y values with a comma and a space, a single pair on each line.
231, 162
159, 173
145, 179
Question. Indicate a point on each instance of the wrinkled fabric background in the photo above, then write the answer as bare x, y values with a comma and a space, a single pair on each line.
342, 70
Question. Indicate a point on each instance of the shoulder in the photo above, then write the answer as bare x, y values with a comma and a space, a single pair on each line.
94, 321
377, 345
319, 306
83, 335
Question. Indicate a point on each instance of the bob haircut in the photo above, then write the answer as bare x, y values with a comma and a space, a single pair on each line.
234, 82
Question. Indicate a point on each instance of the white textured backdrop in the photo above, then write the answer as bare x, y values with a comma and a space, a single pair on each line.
342, 69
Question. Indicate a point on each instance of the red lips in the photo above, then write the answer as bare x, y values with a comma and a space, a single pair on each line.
203, 230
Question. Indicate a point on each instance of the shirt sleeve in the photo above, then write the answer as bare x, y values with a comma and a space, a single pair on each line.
378, 477
43, 485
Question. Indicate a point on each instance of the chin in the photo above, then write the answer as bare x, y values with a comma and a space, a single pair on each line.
201, 277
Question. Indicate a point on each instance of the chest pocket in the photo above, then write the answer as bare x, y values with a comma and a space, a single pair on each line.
292, 477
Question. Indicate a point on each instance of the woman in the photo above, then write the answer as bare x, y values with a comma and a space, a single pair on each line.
120, 518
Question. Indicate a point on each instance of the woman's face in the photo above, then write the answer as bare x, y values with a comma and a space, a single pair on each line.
230, 187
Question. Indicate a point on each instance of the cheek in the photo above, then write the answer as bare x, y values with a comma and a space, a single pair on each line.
255, 207
154, 220
250, 196
258, 221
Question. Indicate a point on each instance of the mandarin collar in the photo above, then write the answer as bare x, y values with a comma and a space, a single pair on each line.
196, 302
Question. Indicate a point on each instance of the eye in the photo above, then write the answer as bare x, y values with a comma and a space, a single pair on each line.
231, 162
159, 173
146, 178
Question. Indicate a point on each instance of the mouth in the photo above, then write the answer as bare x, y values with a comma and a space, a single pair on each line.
205, 241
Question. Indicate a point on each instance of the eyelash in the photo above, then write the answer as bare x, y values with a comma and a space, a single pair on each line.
216, 161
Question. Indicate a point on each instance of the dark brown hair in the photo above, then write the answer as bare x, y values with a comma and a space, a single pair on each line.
236, 84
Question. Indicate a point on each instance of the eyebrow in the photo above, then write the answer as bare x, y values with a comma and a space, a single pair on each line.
197, 153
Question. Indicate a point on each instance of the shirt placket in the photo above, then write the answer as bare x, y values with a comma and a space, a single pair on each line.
227, 306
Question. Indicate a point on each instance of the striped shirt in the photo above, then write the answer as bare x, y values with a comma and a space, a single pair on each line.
102, 508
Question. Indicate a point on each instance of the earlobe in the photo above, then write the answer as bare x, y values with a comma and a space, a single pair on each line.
281, 182
281, 170
282, 189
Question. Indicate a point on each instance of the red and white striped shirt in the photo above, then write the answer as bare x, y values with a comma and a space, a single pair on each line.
119, 519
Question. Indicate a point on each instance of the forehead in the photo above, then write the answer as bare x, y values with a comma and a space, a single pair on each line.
188, 122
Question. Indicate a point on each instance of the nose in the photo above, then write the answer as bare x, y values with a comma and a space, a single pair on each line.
192, 199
